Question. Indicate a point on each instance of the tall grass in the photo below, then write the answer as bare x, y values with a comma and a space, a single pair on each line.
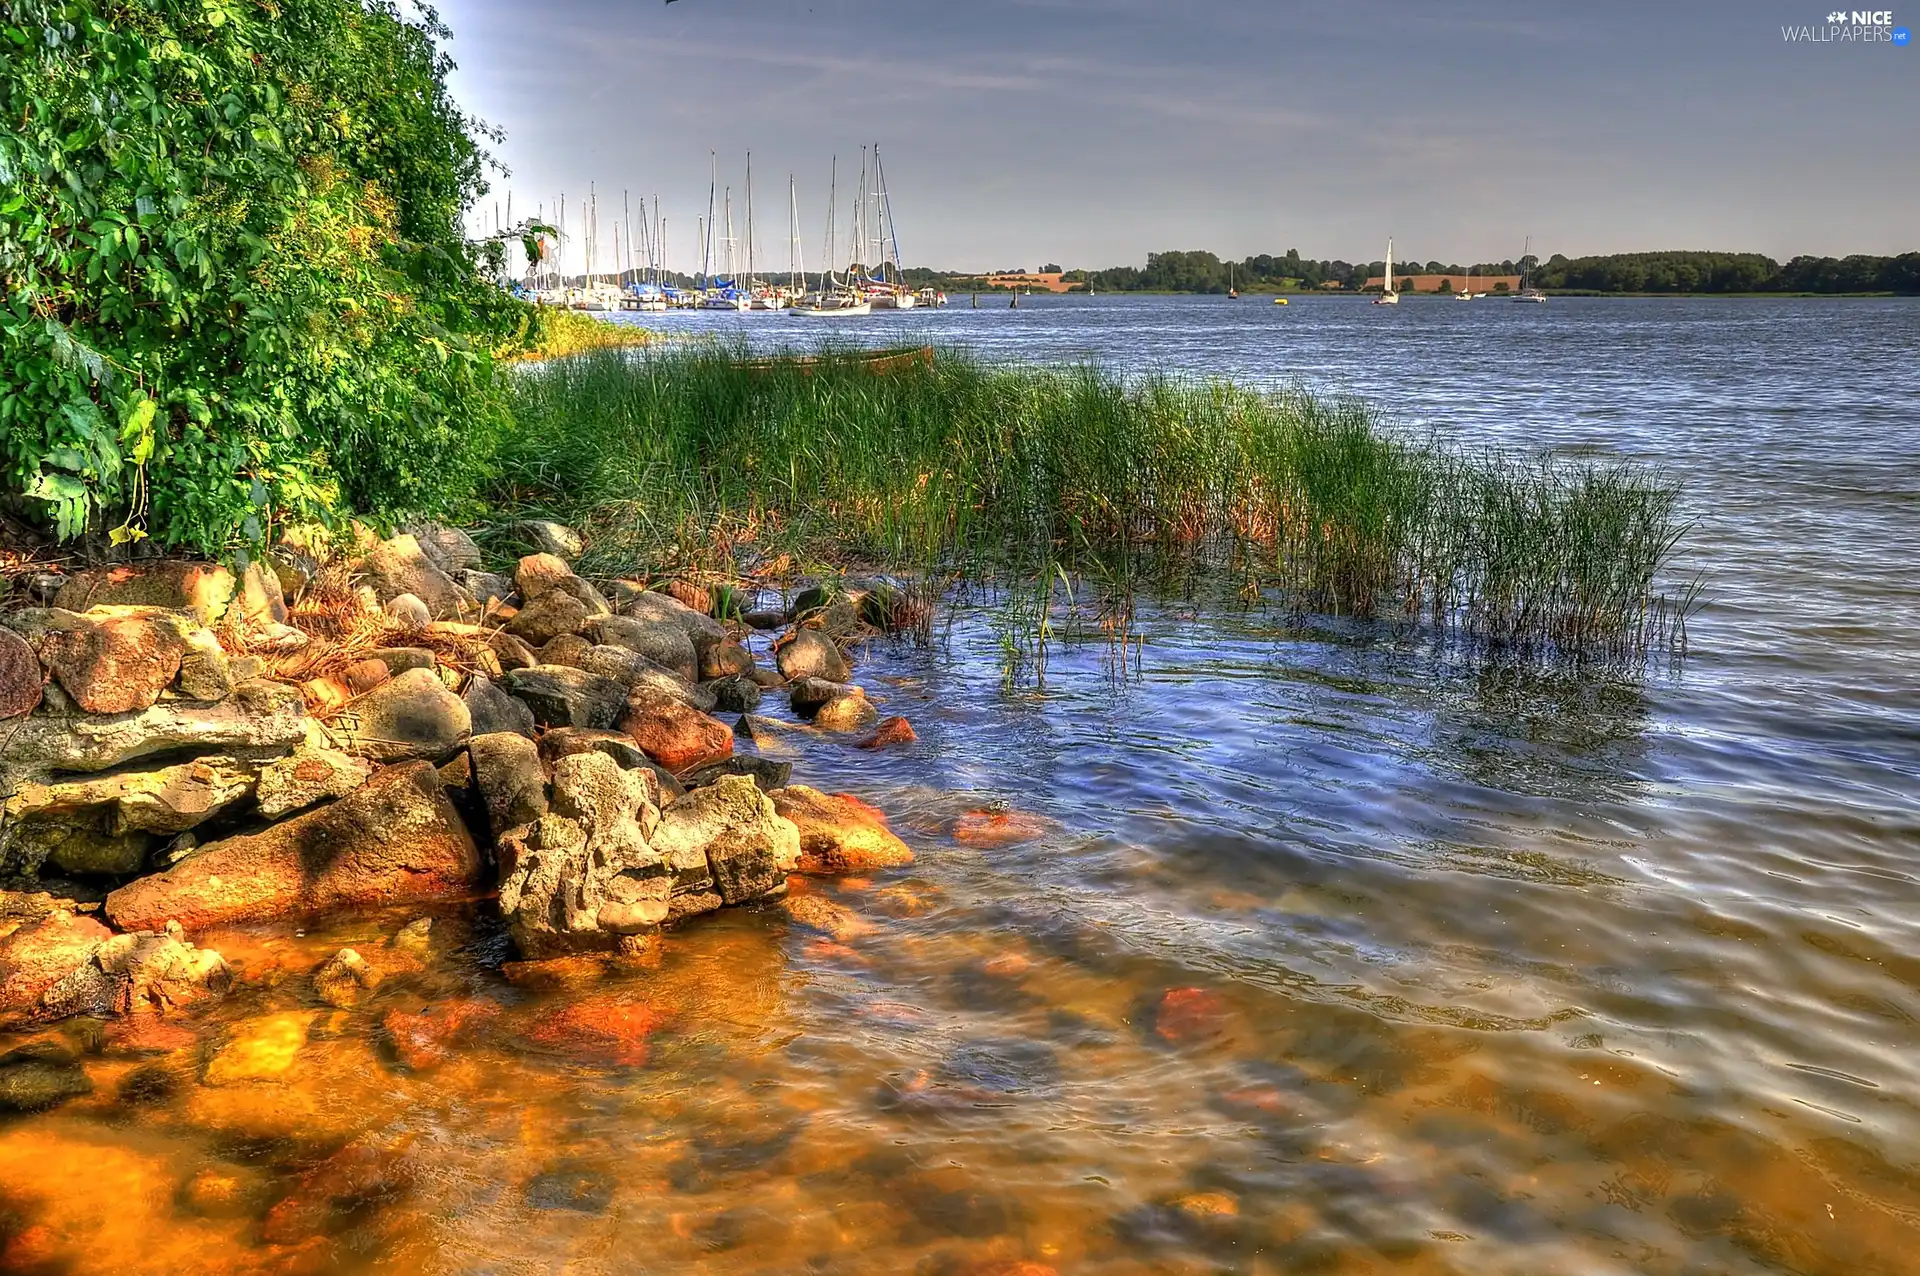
682, 455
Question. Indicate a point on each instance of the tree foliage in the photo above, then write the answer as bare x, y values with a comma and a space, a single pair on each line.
233, 286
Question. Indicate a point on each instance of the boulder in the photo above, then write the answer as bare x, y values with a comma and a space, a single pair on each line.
536, 574
564, 697
20, 676
848, 711
400, 659
638, 603
808, 653
492, 709
65, 965
766, 733
409, 611
82, 843
564, 741
838, 832
401, 566
511, 652
486, 587
413, 716
671, 733
114, 659
725, 659
808, 696
736, 694
512, 783
582, 878
312, 773
396, 839
631, 669
548, 616
765, 772
749, 849
891, 731
205, 671
205, 589
664, 642
37, 956
765, 620
448, 548
546, 537
566, 649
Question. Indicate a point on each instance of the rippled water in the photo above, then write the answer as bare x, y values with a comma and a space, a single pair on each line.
1293, 950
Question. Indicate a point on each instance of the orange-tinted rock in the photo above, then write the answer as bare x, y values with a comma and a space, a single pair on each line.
39, 955
610, 1029
363, 676
149, 1034
836, 921
425, 1039
690, 595
838, 832
395, 839
369, 1169
675, 735
206, 589
553, 974
1000, 828
20, 678
1185, 1016
890, 731
117, 660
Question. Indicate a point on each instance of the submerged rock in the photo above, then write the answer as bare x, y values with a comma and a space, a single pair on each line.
36, 1077
396, 839
345, 979
839, 833
609, 1029
427, 1038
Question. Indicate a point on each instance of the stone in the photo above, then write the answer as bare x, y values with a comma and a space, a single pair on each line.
409, 611
765, 733
664, 642
40, 1076
168, 800
749, 849
362, 676
37, 956
401, 566
512, 783
999, 826
1191, 1016
413, 716
836, 921
631, 669
807, 696
400, 659
891, 731
611, 1029
259, 715
205, 672
765, 620
448, 548
649, 605
545, 618
846, 712
536, 574
725, 659
689, 595
114, 659
426, 1038
511, 652
808, 653
396, 839
548, 537
486, 587
672, 734
838, 832
583, 878
563, 697
764, 772
566, 649
493, 710
20, 676
735, 694
345, 979
311, 773
65, 965
205, 589
415, 939
562, 741
261, 1049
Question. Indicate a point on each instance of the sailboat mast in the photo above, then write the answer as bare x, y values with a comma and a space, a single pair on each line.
750, 262
626, 224
793, 237
833, 195
886, 211
730, 267
706, 236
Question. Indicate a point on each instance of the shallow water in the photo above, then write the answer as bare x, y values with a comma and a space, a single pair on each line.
1294, 949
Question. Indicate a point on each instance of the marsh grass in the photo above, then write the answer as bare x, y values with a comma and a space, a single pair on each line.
682, 458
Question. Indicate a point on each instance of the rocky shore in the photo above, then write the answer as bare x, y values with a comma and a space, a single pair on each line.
184, 748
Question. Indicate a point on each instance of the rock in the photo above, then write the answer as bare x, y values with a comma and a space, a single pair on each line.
765, 620
512, 783
40, 1076
631, 669
579, 1189
205, 589
672, 734
413, 716
415, 939
566, 649
167, 800
563, 697
395, 839
999, 826
448, 548
664, 642
1191, 1016
205, 673
749, 849
361, 677
545, 618
891, 731
808, 653
725, 659
845, 712
409, 611
765, 733
427, 1038
549, 538
511, 652
20, 676
808, 696
36, 957
493, 710
582, 878
226, 1192
537, 574
735, 694
764, 772
399, 567
486, 587
691, 904
609, 1029
259, 715
311, 773
656, 608
114, 659
564, 741
836, 921
689, 595
345, 979
64, 965
31, 906
261, 1049
400, 659
838, 832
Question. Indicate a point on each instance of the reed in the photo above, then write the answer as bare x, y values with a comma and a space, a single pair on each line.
692, 457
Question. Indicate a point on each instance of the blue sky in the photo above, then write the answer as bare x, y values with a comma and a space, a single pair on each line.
1090, 132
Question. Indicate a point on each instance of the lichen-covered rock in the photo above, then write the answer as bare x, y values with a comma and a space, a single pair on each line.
20, 676
311, 773
564, 697
169, 799
665, 642
724, 660
493, 710
672, 734
448, 548
566, 649
512, 783
838, 832
413, 716
631, 669
748, 847
547, 617
808, 653
401, 566
205, 671
205, 589
396, 839
111, 659
344, 979
82, 843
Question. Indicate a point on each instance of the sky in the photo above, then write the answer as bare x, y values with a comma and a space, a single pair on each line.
1091, 132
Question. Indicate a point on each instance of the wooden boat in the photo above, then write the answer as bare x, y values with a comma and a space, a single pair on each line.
877, 362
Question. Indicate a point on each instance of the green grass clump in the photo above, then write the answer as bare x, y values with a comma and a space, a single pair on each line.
682, 455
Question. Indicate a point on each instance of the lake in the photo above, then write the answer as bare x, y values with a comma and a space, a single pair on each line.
1283, 947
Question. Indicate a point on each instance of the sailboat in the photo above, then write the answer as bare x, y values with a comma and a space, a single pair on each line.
835, 299
1233, 294
1466, 294
890, 293
1533, 295
1387, 297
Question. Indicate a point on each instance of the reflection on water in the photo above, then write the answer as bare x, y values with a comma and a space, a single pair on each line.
1297, 952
